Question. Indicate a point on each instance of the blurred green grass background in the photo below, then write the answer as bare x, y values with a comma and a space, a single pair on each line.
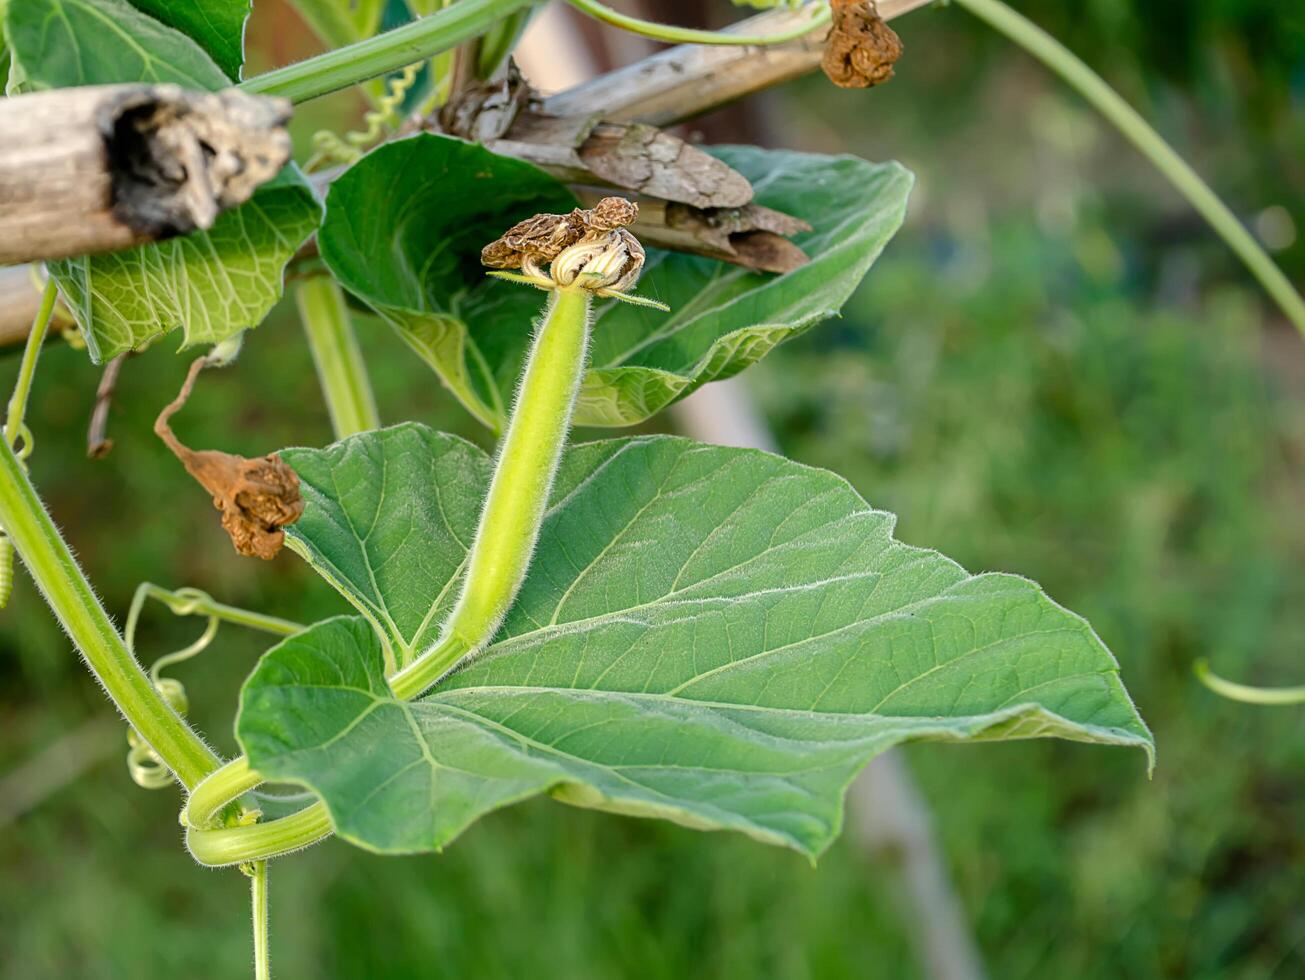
1054, 370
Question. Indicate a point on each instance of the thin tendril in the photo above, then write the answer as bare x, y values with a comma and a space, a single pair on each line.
1244, 692
144, 766
331, 148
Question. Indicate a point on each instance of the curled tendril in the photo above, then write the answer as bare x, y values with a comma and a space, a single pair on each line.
24, 444
330, 148
143, 764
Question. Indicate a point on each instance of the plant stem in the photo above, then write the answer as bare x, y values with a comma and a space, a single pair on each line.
258, 908
26, 371
376, 56
1245, 693
1110, 104
70, 596
340, 367
261, 841
228, 783
686, 35
528, 459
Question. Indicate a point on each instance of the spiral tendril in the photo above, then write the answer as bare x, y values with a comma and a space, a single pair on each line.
330, 148
143, 764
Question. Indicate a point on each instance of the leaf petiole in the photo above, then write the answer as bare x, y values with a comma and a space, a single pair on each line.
415, 41
78, 609
341, 371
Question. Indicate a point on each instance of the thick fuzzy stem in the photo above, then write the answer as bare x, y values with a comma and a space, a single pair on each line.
518, 495
65, 588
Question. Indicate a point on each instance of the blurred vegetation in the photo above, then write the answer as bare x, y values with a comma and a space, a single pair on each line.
1054, 370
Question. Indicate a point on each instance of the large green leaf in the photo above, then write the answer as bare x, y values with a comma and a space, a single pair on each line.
391, 553
213, 284
715, 636
474, 331
58, 43
218, 26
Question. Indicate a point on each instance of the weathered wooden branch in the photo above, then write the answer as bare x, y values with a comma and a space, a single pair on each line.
104, 167
690, 201
690, 79
603, 134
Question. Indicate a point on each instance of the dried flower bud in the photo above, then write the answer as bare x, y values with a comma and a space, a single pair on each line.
612, 213
542, 238
610, 260
596, 251
257, 497
861, 48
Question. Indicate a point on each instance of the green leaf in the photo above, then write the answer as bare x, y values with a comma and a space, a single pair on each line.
474, 331
714, 636
388, 521
430, 203
212, 284
218, 26
58, 43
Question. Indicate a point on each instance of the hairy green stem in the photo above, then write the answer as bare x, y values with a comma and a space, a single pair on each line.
258, 910
27, 370
224, 846
528, 458
70, 596
1126, 119
384, 53
340, 367
1245, 693
687, 35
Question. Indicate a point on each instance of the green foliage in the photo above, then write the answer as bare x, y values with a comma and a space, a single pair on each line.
388, 523
214, 284
714, 636
57, 43
474, 332
431, 203
217, 25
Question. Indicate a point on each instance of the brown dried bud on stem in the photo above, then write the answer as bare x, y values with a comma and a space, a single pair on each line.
589, 248
861, 48
257, 497
541, 238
